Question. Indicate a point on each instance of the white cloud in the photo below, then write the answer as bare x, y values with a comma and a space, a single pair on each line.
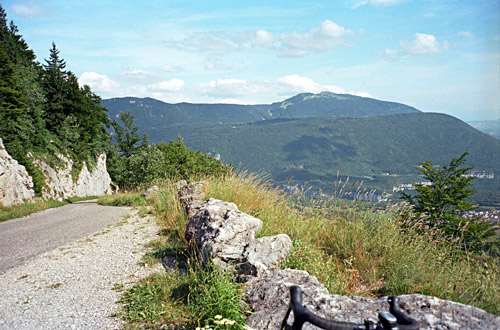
172, 85
301, 84
136, 74
298, 84
378, 3
27, 10
390, 54
98, 82
325, 37
465, 34
171, 68
229, 88
423, 44
263, 39
216, 66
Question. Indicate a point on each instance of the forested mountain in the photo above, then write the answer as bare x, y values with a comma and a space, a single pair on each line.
43, 109
150, 112
378, 142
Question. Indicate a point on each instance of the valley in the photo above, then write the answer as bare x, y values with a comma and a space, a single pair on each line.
315, 139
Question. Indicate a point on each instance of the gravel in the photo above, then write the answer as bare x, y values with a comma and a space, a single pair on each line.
77, 286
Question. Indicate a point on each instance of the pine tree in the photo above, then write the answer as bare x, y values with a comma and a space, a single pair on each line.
127, 136
55, 87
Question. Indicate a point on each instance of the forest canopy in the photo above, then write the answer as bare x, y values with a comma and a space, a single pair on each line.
43, 109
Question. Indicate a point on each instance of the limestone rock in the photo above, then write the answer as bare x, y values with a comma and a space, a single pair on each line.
150, 192
221, 232
16, 186
59, 181
265, 254
95, 183
190, 193
269, 296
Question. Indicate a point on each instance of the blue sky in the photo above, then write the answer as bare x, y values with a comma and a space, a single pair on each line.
438, 56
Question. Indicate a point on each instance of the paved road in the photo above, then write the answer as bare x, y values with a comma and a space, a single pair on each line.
24, 238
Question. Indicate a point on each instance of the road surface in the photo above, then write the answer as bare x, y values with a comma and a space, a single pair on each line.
24, 238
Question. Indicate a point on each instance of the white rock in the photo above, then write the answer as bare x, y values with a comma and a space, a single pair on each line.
16, 186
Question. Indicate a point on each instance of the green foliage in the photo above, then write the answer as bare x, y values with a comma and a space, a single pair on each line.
43, 109
146, 164
443, 196
214, 292
126, 137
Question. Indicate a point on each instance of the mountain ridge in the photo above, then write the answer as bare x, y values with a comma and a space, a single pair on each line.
298, 145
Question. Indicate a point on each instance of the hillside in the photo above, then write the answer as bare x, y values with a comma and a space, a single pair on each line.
149, 112
380, 142
383, 151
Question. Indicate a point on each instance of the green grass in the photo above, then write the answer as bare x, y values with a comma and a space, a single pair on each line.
351, 248
355, 250
23, 210
124, 199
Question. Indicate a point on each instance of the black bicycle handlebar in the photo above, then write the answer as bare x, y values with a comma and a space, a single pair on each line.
396, 319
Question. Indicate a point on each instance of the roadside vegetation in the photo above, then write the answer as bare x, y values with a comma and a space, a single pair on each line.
350, 246
23, 210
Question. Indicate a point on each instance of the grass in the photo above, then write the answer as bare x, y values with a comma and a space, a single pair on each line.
23, 210
351, 248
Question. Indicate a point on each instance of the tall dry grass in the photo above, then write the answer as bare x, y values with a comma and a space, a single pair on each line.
355, 250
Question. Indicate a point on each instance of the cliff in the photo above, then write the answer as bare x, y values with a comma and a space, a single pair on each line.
16, 186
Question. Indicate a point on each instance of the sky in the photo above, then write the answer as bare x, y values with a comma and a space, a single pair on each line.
435, 55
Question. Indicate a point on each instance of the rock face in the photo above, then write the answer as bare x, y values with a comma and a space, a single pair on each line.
16, 186
226, 235
59, 181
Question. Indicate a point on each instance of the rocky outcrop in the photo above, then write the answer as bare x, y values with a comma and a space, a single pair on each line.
226, 235
16, 186
268, 297
96, 182
59, 184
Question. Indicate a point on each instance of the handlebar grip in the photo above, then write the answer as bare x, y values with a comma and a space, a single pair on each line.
302, 315
404, 321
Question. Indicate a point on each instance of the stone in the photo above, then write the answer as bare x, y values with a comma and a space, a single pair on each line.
221, 232
190, 193
148, 194
96, 182
269, 296
16, 186
265, 254
179, 184
59, 180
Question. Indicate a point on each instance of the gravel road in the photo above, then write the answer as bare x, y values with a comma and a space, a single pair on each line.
74, 286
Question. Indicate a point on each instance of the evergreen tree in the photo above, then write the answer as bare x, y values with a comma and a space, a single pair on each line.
444, 196
127, 136
55, 87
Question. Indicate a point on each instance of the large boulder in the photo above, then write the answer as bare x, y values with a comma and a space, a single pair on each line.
16, 186
268, 297
191, 192
221, 232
